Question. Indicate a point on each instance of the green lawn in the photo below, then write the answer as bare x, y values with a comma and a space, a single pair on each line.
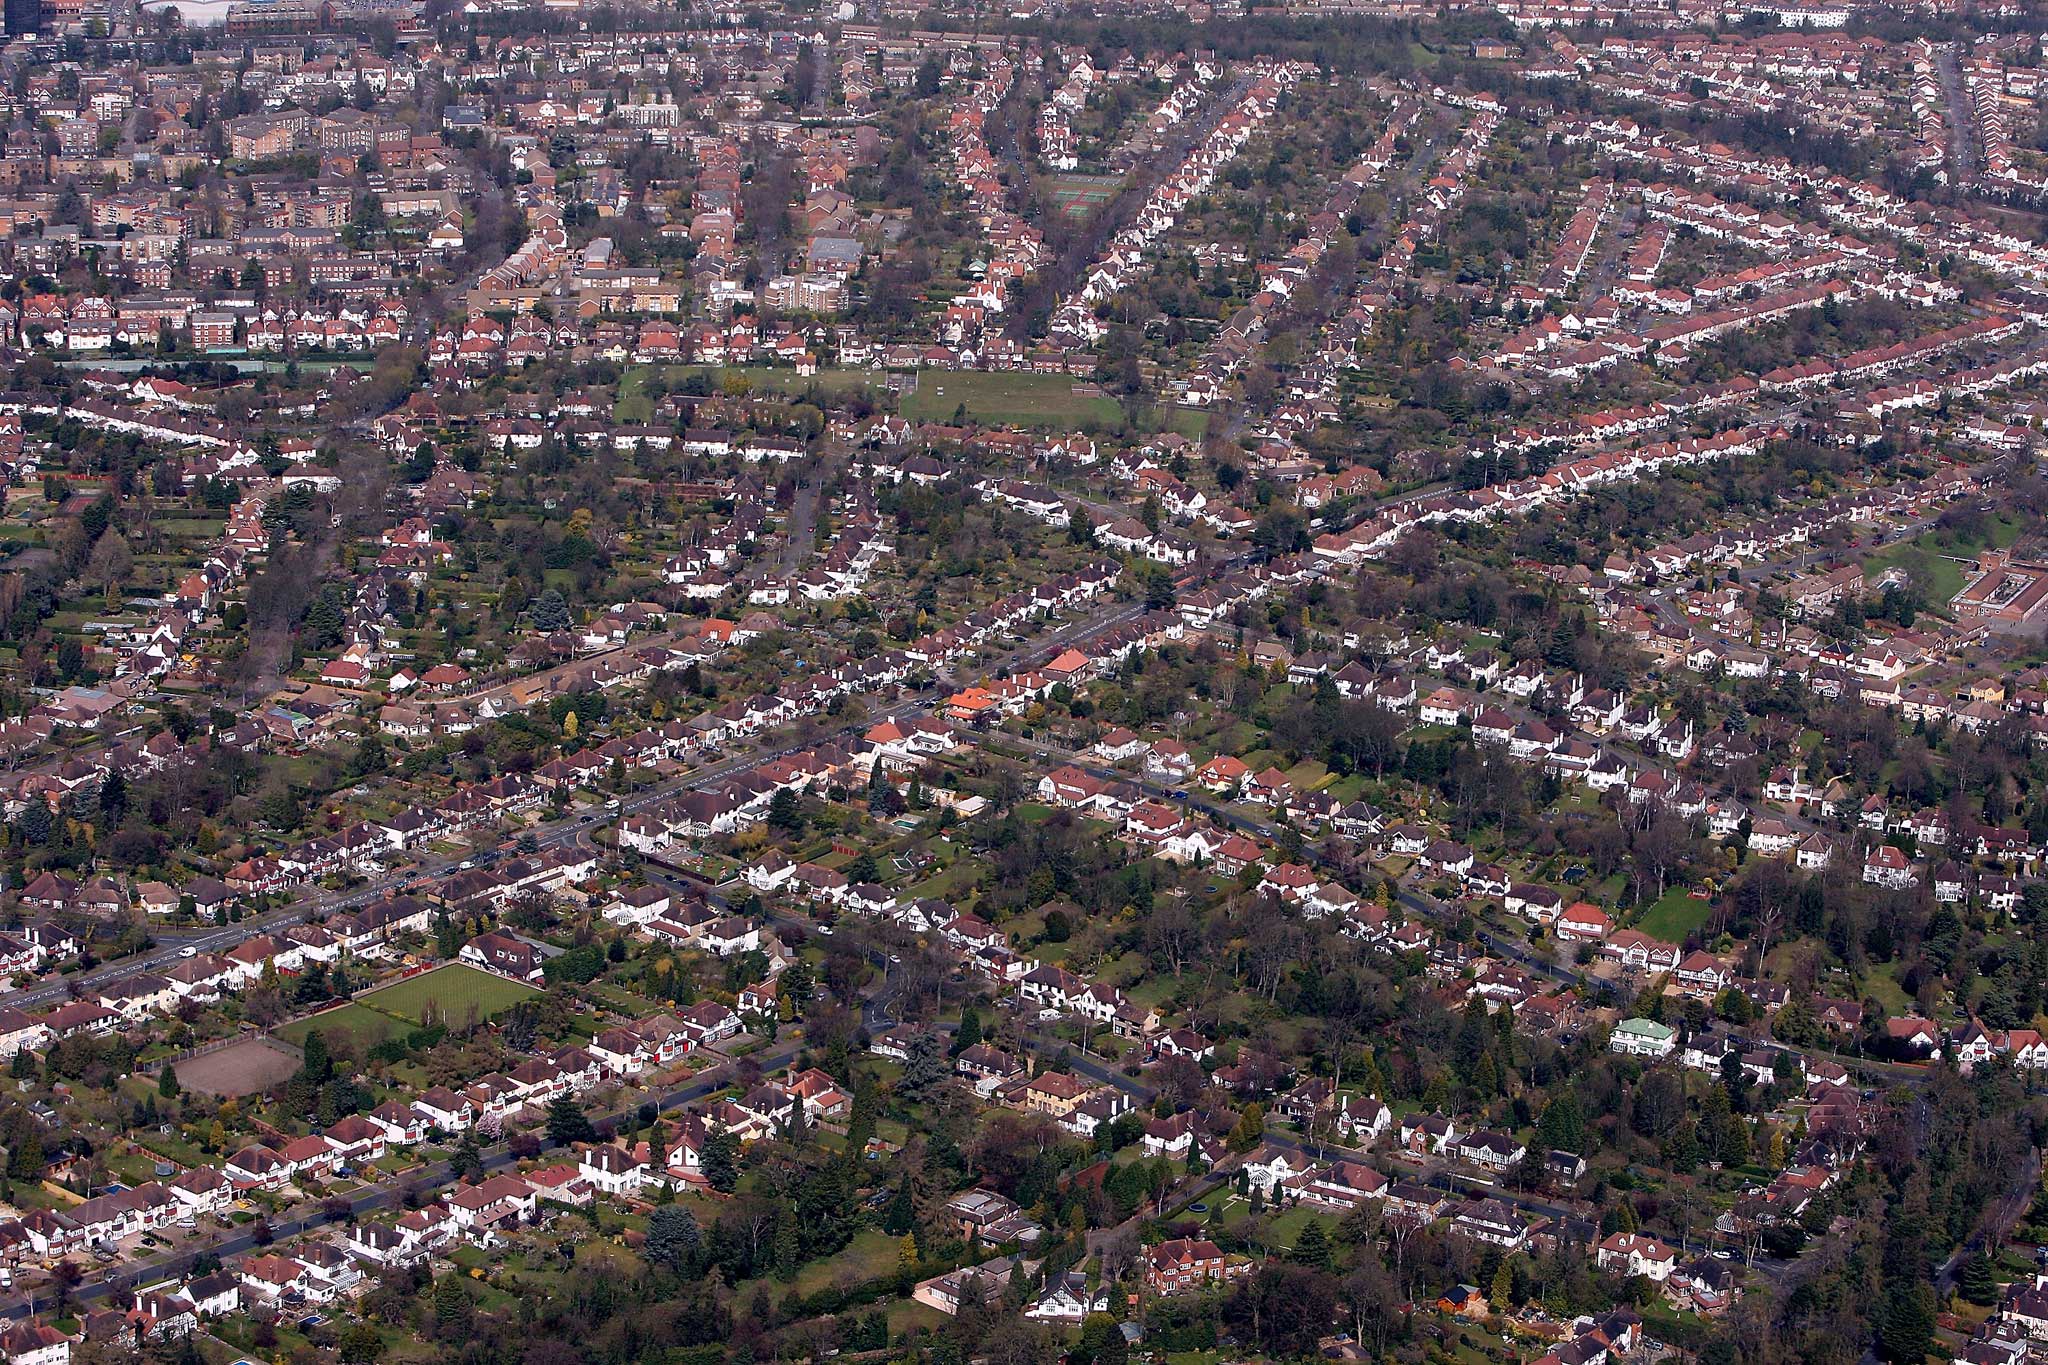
1935, 559
1941, 576
1025, 400
870, 1255
1882, 985
1674, 915
765, 378
633, 404
367, 1026
454, 988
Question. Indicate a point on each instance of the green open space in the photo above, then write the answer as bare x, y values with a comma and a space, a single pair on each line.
452, 989
1011, 399
1080, 197
366, 1026
1673, 915
1935, 559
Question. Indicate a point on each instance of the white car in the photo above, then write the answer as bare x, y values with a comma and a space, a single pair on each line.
188, 951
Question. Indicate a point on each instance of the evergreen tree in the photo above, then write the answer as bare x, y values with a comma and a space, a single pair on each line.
452, 1308
1250, 1130
969, 1032
1978, 1284
167, 1082
467, 1162
567, 1123
1563, 1125
550, 612
784, 813
721, 1162
672, 1237
901, 1215
1905, 1322
924, 1069
1102, 1342
788, 1249
1312, 1248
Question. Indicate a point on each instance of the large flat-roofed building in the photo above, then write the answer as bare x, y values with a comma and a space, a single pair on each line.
2003, 589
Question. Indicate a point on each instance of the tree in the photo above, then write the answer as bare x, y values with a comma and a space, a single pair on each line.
1563, 1125
467, 1161
113, 797
1978, 1284
1905, 1321
167, 1082
1250, 1130
452, 1308
721, 1162
361, 1344
1102, 1342
1080, 530
1312, 1248
1284, 1308
672, 1236
784, 813
25, 1159
901, 1215
567, 1123
550, 612
111, 562
316, 1062
924, 1068
883, 798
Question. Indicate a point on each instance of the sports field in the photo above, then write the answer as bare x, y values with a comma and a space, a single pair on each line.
366, 1026
1047, 401
1078, 198
242, 1067
453, 988
1012, 399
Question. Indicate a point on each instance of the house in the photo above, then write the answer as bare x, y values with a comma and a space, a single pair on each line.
1889, 868
256, 1167
1067, 1299
1630, 1253
987, 1217
1582, 923
1185, 1263
612, 1171
1493, 1222
1342, 1185
976, 1284
35, 1343
1492, 1151
1702, 975
1642, 1038
507, 955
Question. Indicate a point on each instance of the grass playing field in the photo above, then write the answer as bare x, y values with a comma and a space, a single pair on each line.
453, 988
1024, 400
367, 1026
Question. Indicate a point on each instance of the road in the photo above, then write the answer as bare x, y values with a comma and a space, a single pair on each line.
800, 527
1962, 117
1057, 280
1418, 902
433, 1176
